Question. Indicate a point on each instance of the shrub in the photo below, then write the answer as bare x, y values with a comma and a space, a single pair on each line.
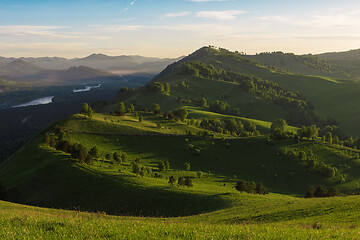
188, 182
187, 166
136, 168
161, 166
172, 180
181, 181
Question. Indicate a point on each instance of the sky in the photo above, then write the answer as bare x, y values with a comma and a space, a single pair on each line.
174, 28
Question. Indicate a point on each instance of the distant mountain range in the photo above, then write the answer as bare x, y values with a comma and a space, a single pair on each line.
118, 64
21, 72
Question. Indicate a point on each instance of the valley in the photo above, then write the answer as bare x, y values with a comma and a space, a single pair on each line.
218, 145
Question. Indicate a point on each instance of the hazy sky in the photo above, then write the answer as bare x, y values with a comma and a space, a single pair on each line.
171, 28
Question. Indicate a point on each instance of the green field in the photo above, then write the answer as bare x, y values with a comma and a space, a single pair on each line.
51, 195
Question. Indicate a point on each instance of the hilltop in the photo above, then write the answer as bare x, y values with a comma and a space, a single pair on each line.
331, 99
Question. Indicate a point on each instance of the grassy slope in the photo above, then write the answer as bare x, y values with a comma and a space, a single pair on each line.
294, 65
333, 98
270, 217
48, 178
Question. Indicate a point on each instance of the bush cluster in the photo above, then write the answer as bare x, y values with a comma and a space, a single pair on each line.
311, 162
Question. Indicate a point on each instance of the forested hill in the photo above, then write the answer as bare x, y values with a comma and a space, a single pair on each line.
330, 93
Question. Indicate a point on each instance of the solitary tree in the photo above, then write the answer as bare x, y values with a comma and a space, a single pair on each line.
120, 109
187, 166
155, 109
108, 156
188, 182
158, 125
141, 118
199, 174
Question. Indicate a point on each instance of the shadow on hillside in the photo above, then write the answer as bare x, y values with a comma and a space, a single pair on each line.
62, 184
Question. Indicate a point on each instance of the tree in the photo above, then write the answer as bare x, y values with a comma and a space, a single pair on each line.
188, 182
279, 128
155, 109
260, 189
94, 152
161, 166
89, 159
172, 180
158, 125
108, 156
79, 152
187, 166
84, 109
141, 118
167, 88
219, 106
333, 191
328, 137
120, 109
52, 143
90, 112
310, 192
167, 164
136, 168
203, 102
142, 172
116, 157
320, 191
47, 138
199, 174
181, 181
123, 157
241, 186
131, 108
181, 114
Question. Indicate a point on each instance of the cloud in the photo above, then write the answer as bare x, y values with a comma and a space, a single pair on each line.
27, 30
208, 0
220, 15
132, 3
179, 14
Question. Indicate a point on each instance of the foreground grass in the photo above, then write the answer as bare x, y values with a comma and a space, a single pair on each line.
23, 222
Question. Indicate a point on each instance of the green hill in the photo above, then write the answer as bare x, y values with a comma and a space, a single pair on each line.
332, 98
171, 172
302, 64
42, 176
